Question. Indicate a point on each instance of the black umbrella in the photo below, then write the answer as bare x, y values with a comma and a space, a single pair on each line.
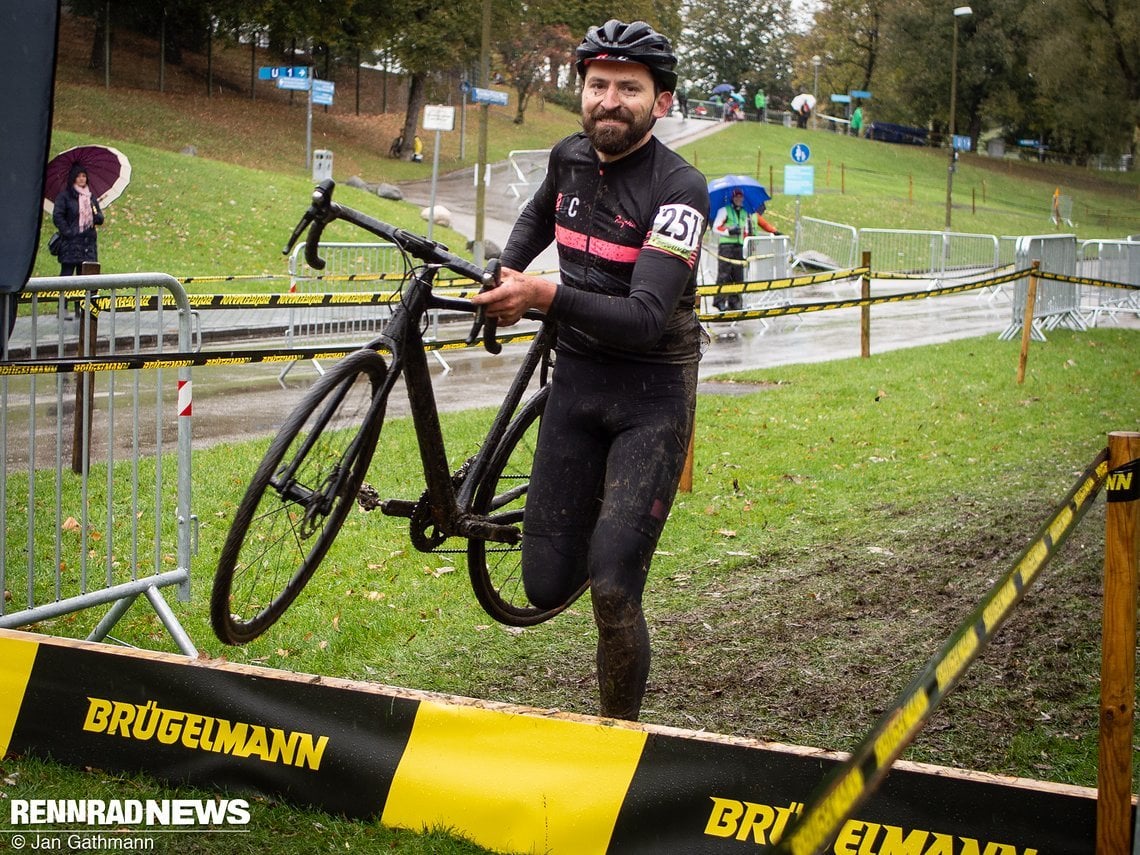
108, 173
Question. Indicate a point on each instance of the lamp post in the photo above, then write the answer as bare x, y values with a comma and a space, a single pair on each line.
816, 61
959, 12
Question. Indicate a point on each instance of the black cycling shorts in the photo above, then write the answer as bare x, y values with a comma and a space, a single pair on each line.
611, 448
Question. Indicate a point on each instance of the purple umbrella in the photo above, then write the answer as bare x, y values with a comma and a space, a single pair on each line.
108, 173
723, 89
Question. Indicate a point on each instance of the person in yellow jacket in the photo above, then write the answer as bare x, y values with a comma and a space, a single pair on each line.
733, 225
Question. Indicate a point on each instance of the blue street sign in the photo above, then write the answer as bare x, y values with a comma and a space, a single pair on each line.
860, 93
801, 153
323, 92
488, 96
799, 180
961, 142
464, 87
840, 99
269, 72
298, 83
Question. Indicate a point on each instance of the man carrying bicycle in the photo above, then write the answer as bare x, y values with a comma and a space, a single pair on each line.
627, 214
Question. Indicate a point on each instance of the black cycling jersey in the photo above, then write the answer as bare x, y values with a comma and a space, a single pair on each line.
629, 238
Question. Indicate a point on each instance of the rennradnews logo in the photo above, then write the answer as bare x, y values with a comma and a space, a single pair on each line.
139, 812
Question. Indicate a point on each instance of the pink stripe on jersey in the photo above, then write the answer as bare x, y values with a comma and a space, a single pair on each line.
601, 248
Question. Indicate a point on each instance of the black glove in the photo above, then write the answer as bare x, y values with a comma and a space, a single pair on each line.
777, 234
734, 231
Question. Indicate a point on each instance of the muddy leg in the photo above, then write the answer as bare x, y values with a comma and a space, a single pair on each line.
623, 657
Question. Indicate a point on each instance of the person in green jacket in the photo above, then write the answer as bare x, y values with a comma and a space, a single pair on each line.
761, 101
857, 121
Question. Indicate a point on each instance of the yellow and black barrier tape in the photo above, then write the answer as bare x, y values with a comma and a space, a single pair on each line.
850, 784
213, 359
760, 285
853, 302
945, 274
151, 302
1084, 280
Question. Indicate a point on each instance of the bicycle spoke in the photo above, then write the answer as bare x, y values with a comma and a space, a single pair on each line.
298, 499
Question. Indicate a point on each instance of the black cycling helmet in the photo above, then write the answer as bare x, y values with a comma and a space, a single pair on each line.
617, 41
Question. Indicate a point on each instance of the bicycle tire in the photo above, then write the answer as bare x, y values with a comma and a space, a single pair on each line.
496, 568
276, 541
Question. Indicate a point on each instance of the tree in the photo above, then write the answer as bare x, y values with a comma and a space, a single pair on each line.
429, 38
741, 42
527, 57
1086, 71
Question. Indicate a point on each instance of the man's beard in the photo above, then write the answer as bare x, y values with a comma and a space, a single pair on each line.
616, 139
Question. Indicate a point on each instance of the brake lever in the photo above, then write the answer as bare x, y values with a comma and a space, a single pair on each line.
320, 211
306, 219
482, 322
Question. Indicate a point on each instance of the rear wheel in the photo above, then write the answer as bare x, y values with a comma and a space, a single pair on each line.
298, 499
496, 568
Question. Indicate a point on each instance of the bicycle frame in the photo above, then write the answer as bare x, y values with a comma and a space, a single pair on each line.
482, 502
403, 339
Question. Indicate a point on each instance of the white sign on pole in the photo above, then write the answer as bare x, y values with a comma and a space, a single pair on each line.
439, 117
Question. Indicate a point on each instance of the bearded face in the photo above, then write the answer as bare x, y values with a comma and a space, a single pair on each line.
620, 105
615, 131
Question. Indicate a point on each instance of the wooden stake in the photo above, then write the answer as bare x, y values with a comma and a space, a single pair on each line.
686, 485
1027, 323
1118, 647
865, 310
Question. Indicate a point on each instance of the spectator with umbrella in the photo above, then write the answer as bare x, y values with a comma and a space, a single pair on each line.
739, 202
76, 215
802, 105
78, 183
720, 96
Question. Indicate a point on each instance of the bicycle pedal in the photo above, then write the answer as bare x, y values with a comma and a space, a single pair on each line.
398, 508
367, 497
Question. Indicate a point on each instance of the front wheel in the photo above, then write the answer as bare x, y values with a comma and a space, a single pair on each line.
496, 568
298, 498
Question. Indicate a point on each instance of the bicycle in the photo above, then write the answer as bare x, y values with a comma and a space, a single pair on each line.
315, 467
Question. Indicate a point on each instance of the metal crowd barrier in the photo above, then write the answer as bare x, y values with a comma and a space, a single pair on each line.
349, 268
529, 168
825, 245
929, 253
95, 456
1057, 303
1115, 261
835, 246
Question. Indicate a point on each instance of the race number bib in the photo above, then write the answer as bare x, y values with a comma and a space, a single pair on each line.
677, 230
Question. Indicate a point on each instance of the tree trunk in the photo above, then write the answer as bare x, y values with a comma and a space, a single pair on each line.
98, 42
417, 97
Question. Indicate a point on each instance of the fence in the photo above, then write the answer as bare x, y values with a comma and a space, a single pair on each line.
836, 246
819, 243
1057, 303
928, 253
96, 441
529, 168
1115, 261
